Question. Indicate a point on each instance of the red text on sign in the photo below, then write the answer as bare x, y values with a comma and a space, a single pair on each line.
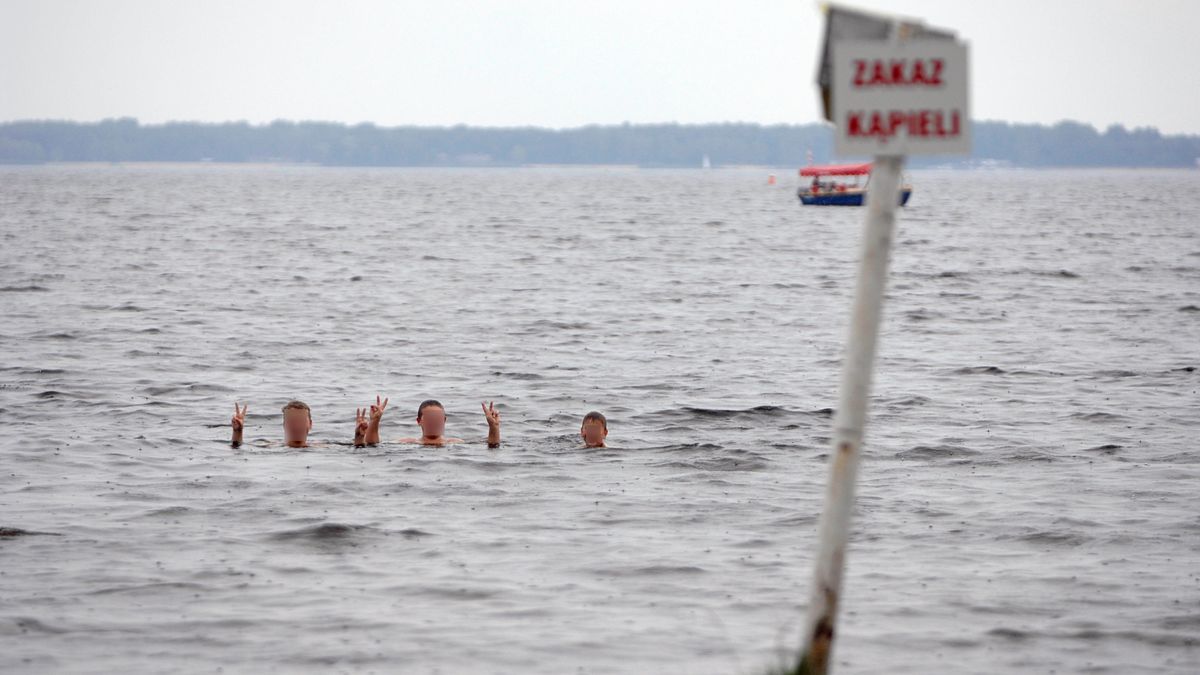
898, 72
884, 124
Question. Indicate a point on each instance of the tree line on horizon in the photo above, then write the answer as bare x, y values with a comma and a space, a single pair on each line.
1065, 144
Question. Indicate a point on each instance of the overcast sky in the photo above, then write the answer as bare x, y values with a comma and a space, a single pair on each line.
562, 63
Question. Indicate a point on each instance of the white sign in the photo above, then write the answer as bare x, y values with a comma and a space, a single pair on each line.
900, 98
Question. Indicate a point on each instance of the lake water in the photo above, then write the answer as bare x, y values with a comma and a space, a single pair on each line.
1029, 499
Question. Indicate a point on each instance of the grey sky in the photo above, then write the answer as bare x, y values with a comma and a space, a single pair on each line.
561, 63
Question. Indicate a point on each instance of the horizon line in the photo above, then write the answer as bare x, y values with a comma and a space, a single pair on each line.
590, 125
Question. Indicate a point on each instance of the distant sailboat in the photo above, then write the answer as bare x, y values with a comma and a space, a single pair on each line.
705, 163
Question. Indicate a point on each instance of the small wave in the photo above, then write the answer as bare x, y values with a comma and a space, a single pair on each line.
796, 520
922, 315
760, 411
324, 532
979, 370
1094, 635
946, 274
688, 448
1116, 373
195, 387
1036, 372
1191, 621
14, 532
170, 510
1058, 538
31, 288
28, 624
1186, 457
652, 386
648, 571
754, 543
341, 533
454, 593
42, 371
654, 570
154, 588
718, 464
559, 325
1098, 416
1014, 634
1061, 274
517, 376
903, 402
937, 452
1026, 456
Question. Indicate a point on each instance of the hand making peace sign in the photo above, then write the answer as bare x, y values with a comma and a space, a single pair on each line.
239, 417
377, 410
360, 422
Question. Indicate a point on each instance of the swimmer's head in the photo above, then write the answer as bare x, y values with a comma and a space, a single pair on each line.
432, 418
594, 430
297, 421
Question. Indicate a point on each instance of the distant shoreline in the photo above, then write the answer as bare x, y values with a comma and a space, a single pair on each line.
995, 145
780, 171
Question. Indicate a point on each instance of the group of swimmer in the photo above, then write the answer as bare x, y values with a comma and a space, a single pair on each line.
431, 417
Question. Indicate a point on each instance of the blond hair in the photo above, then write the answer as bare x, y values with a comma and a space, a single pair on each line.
297, 405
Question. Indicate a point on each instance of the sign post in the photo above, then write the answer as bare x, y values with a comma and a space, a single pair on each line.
891, 88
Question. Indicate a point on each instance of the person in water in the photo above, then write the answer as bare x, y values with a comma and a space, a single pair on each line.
594, 430
297, 424
431, 417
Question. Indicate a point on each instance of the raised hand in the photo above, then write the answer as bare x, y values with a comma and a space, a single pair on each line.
360, 426
492, 415
239, 417
377, 411
377, 408
493, 421
238, 423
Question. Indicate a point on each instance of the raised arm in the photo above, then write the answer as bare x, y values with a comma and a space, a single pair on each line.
360, 427
238, 423
493, 421
376, 416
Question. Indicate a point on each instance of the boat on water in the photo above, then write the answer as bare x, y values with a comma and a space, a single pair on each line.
838, 185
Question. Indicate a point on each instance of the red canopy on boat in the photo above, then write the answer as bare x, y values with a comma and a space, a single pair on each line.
837, 170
